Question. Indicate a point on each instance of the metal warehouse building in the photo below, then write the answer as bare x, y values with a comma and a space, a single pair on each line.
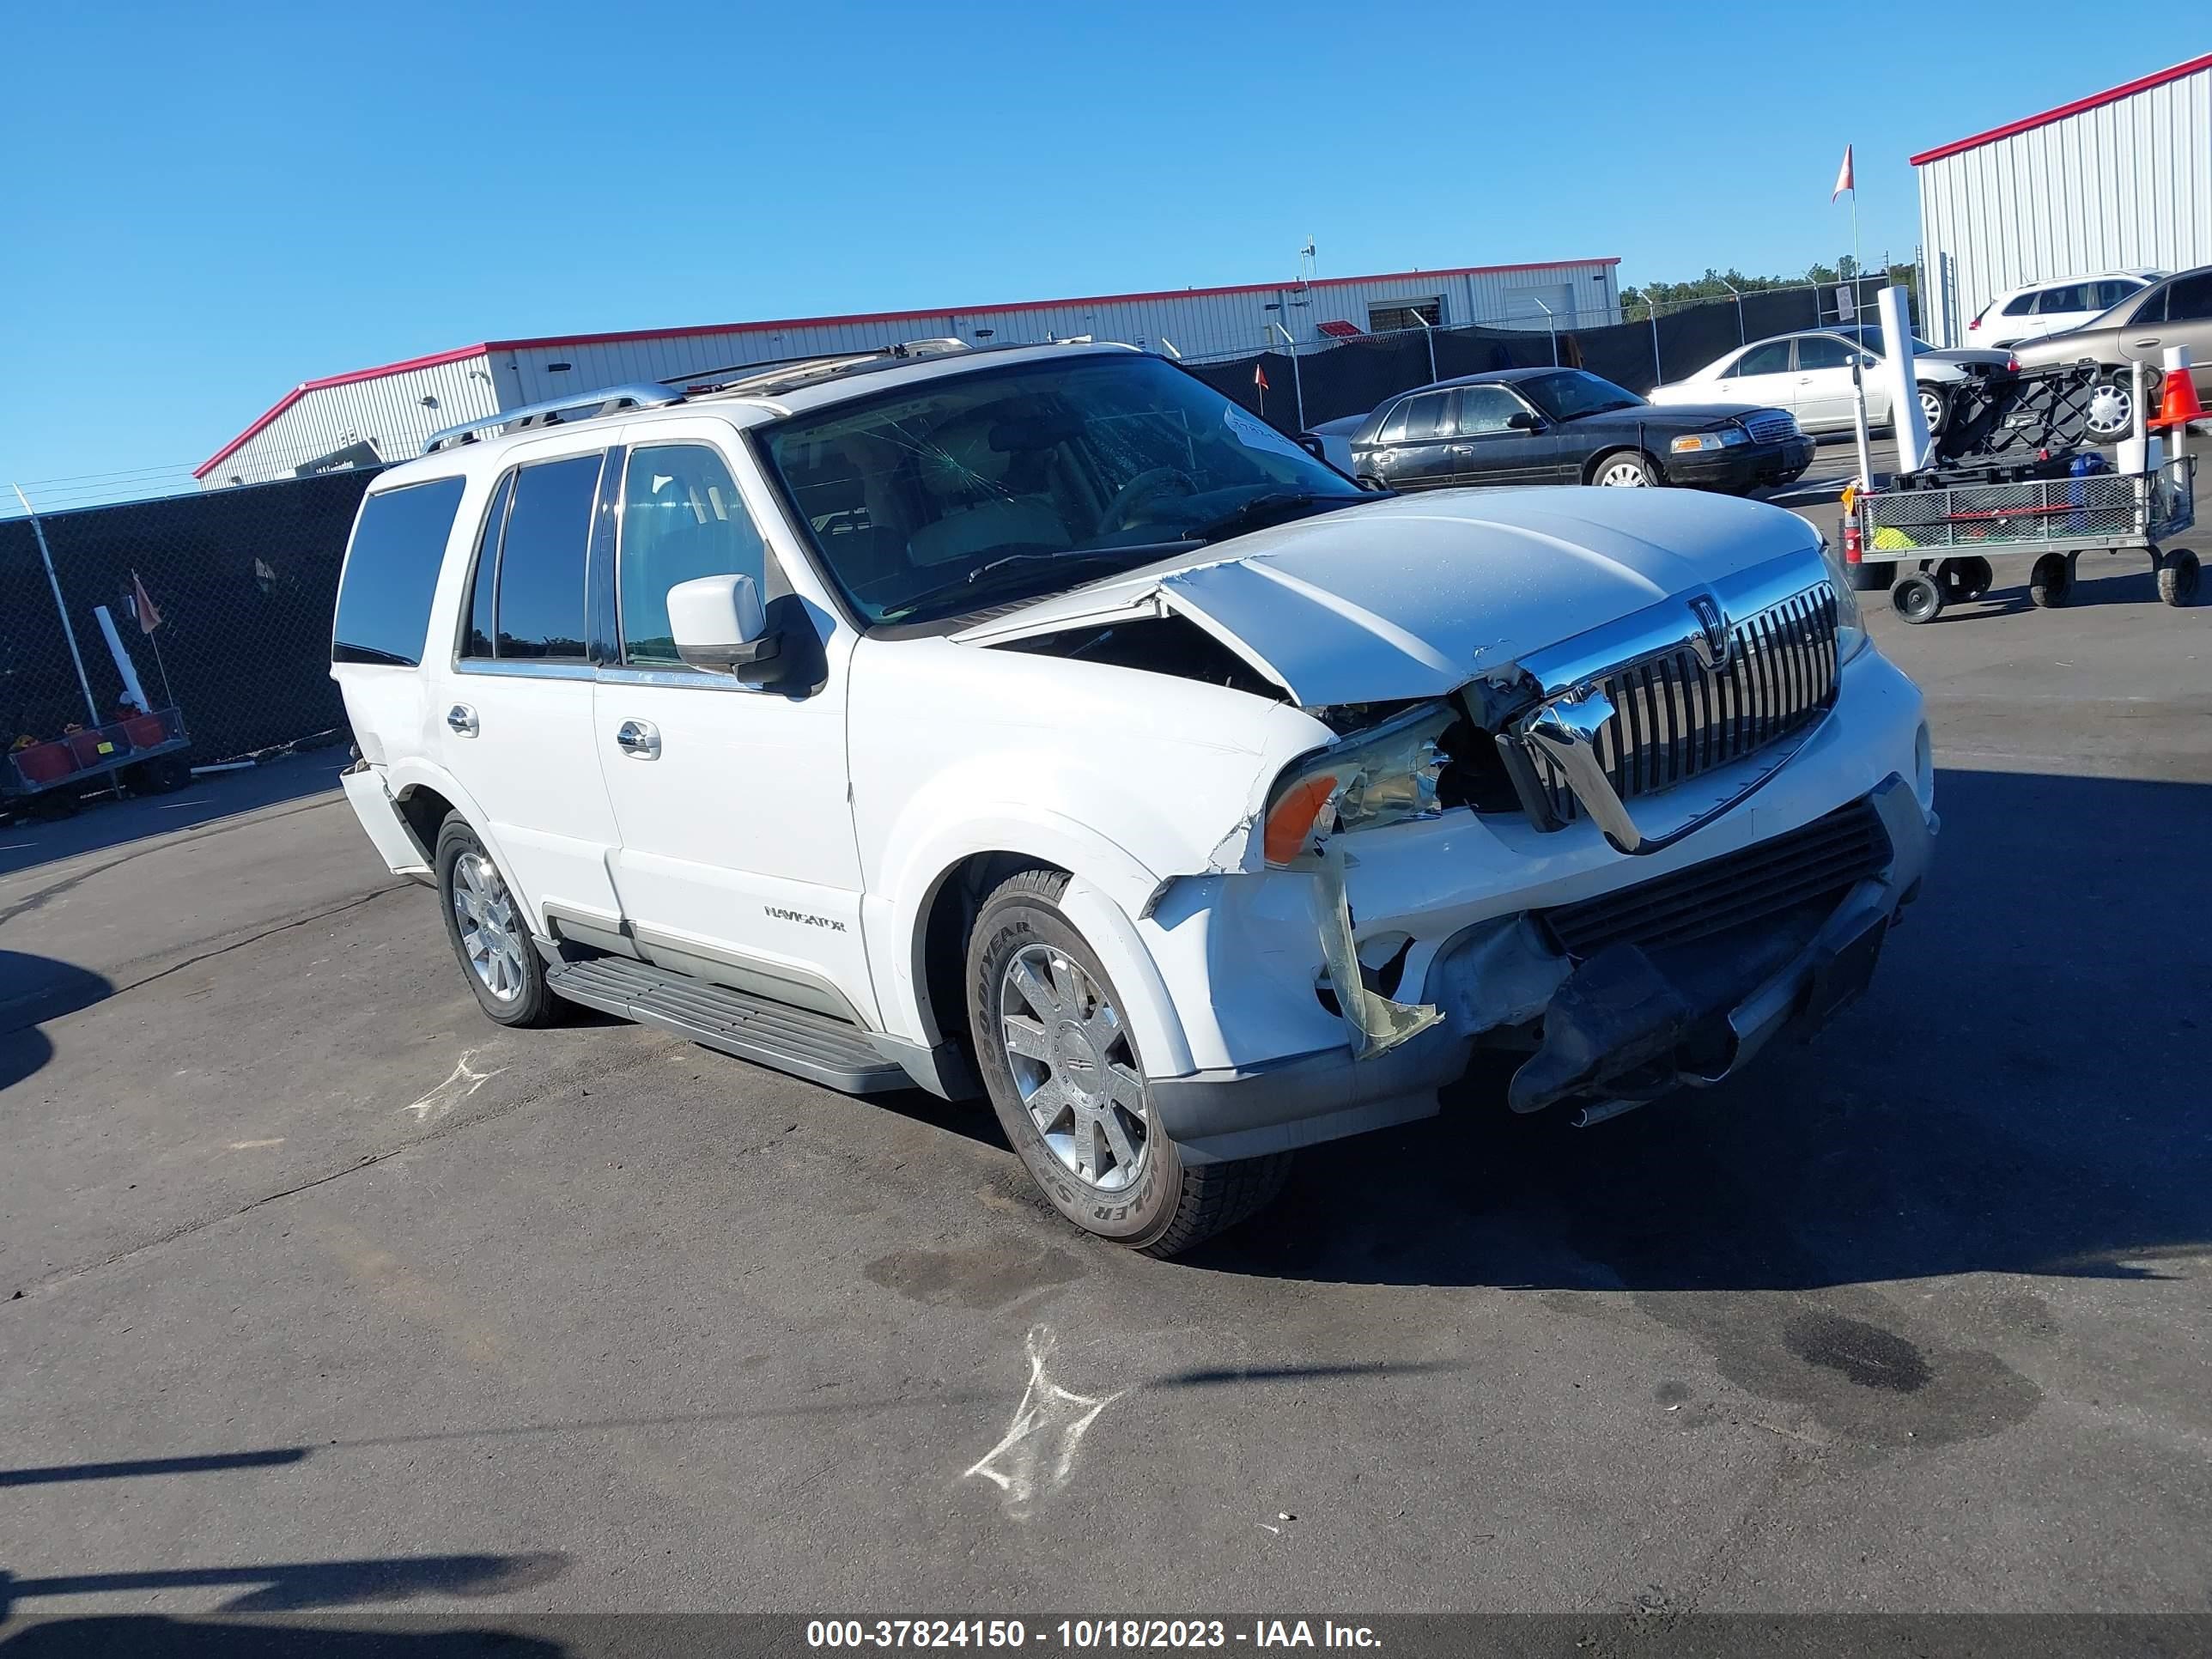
2120, 179
385, 414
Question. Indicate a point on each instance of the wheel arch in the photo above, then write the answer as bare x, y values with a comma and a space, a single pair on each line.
1106, 888
1597, 461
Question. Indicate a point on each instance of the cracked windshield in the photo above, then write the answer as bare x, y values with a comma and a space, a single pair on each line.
1033, 479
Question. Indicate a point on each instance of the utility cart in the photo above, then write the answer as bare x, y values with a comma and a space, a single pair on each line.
144, 752
1930, 539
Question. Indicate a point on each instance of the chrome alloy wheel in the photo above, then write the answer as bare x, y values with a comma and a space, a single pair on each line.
1626, 473
1931, 409
491, 934
1074, 1068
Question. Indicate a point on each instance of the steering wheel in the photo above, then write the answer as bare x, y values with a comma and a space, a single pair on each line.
1140, 488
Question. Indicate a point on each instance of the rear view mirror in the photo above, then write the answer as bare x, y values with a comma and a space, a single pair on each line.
1522, 420
720, 626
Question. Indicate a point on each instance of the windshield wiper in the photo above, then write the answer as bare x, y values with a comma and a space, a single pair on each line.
978, 582
1259, 510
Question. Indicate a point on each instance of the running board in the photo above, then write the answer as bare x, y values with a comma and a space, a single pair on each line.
830, 1052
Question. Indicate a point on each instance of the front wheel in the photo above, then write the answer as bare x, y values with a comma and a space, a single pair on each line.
488, 934
1064, 1075
1627, 469
1917, 599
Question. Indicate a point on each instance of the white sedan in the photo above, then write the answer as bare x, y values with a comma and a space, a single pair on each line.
1810, 374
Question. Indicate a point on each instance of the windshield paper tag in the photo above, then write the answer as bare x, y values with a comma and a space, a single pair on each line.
1255, 433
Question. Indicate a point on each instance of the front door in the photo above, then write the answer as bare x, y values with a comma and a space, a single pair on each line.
1491, 450
1822, 398
736, 860
517, 707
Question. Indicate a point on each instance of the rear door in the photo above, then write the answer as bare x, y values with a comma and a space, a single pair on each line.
517, 705
1761, 374
1419, 455
2178, 314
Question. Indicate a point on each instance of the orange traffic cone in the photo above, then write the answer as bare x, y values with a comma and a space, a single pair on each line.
2180, 406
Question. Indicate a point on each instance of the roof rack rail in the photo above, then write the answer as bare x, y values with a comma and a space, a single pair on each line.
790, 371
587, 405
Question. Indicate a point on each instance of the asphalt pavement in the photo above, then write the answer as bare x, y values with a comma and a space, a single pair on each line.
320, 1292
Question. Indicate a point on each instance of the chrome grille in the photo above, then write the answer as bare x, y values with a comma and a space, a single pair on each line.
1674, 718
1770, 426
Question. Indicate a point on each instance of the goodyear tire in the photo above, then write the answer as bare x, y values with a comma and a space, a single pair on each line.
1065, 1076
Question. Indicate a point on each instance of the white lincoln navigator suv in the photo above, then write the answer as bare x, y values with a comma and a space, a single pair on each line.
1033, 721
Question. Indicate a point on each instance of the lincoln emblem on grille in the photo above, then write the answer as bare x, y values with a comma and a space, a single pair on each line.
1712, 644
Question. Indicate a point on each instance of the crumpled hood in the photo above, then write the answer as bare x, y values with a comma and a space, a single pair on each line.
1414, 596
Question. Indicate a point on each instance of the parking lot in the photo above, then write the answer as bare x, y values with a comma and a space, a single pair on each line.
322, 1292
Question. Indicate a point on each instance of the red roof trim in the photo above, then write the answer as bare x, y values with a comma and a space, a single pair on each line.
546, 341
348, 379
2094, 101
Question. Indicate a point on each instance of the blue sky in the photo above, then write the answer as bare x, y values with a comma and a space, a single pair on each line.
204, 206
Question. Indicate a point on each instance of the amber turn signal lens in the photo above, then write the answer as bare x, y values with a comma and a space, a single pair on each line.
1292, 818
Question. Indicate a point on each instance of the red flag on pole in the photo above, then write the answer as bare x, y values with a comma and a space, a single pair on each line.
1259, 377
1843, 180
141, 605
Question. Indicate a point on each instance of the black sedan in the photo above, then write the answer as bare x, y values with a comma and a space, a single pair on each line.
1566, 426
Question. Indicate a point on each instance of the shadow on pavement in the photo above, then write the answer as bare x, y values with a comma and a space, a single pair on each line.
294, 1586
33, 988
2022, 1091
150, 1636
55, 1474
27, 842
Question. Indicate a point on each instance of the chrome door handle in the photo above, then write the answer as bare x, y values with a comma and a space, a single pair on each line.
639, 739
463, 720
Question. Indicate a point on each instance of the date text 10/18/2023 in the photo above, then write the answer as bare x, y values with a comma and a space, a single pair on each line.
1088, 1635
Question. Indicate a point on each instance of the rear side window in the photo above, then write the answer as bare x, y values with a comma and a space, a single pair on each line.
540, 603
1771, 358
2070, 297
2021, 305
392, 572
1428, 416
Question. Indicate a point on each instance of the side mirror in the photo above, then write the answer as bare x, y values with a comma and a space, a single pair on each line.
1311, 445
1523, 420
720, 626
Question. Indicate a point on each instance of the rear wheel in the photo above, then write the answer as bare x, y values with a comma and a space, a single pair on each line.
2177, 576
2051, 583
2111, 410
490, 933
1064, 1075
1627, 469
1964, 581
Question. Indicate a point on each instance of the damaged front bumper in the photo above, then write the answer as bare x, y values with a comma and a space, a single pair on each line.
1616, 1024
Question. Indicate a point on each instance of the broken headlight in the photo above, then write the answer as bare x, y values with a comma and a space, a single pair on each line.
1384, 775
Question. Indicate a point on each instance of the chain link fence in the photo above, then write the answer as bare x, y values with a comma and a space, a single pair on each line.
243, 582
1336, 377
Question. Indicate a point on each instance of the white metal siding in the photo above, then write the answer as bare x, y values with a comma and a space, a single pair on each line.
2127, 183
386, 410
